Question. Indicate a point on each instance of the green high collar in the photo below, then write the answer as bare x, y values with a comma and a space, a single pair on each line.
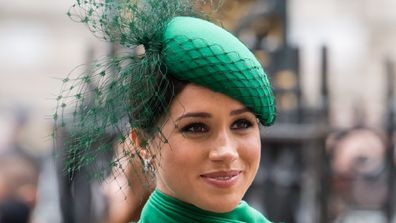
166, 209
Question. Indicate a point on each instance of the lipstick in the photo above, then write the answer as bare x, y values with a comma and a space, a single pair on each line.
222, 179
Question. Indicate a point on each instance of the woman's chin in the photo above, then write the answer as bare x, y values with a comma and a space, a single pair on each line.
220, 207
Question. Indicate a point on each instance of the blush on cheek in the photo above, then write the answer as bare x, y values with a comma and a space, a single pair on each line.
252, 147
251, 154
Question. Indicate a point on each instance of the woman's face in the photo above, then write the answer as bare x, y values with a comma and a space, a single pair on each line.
212, 152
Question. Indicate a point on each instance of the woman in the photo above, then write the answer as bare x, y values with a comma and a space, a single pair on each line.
188, 109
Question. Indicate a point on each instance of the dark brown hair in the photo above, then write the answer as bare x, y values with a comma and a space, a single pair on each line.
158, 104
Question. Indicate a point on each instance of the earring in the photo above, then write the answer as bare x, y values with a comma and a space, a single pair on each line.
148, 167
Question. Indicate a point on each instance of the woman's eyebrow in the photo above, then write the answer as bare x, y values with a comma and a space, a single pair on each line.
195, 115
208, 115
240, 111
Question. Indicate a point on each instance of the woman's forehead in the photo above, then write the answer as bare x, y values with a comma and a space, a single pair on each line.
196, 98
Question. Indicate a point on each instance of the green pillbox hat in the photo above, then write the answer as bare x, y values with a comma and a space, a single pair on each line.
201, 52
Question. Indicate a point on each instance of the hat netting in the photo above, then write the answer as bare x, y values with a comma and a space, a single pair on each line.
99, 104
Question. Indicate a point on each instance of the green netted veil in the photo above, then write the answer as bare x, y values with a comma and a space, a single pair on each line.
100, 103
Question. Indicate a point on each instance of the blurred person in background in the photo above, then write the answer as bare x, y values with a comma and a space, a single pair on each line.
359, 175
19, 172
18, 186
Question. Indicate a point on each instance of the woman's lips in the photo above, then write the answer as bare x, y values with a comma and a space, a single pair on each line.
222, 179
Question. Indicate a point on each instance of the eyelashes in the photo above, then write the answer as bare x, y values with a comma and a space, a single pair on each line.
241, 124
196, 127
199, 128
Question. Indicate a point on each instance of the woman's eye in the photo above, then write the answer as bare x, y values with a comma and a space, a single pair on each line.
195, 128
241, 124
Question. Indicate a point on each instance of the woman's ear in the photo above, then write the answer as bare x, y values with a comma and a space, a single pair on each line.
139, 143
138, 139
137, 147
135, 137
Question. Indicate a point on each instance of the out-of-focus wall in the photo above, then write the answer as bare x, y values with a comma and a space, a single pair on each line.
39, 46
359, 35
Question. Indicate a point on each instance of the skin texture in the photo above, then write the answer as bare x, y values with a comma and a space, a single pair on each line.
206, 132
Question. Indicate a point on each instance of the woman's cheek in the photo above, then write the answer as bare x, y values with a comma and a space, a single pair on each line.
251, 147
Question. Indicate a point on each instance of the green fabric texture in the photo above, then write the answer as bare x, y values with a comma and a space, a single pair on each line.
165, 209
203, 53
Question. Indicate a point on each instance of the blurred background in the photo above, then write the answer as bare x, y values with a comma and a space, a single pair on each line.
329, 158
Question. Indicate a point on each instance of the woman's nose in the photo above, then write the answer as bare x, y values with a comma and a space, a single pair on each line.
224, 148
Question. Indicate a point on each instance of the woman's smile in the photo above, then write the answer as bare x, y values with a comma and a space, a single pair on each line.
222, 179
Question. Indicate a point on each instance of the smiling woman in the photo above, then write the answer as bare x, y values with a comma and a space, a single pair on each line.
187, 111
213, 150
208, 161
